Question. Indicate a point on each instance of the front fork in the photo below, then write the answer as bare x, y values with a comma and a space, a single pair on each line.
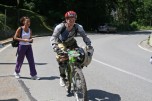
71, 79
71, 72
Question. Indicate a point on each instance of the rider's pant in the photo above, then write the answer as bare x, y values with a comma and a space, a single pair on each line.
62, 70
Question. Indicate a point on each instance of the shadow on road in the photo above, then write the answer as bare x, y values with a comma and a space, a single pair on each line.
23, 63
44, 78
25, 78
49, 78
10, 100
99, 95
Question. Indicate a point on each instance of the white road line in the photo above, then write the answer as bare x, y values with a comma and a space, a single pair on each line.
4, 48
121, 70
144, 48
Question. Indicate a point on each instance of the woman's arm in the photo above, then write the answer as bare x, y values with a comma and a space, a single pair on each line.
17, 35
31, 39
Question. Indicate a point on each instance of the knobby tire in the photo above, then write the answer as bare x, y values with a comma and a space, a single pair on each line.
79, 74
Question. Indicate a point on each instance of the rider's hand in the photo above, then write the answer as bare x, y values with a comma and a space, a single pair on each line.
57, 50
90, 50
89, 47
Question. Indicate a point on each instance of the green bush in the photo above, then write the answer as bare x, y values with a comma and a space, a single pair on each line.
13, 15
146, 27
2, 19
134, 25
37, 22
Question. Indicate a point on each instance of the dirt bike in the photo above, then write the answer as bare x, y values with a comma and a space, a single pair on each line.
75, 81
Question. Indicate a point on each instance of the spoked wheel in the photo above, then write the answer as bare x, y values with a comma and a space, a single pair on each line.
80, 89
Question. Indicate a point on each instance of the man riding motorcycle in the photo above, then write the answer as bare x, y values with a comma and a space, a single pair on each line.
63, 38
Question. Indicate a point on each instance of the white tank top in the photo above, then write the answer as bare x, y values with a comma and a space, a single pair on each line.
25, 35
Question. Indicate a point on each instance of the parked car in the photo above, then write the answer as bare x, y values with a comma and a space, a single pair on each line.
107, 28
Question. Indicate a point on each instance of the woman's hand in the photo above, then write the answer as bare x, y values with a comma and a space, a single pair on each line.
31, 41
28, 40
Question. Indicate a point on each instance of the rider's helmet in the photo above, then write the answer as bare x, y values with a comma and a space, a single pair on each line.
86, 55
70, 14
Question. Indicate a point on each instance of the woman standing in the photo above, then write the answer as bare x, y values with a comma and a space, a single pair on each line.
23, 35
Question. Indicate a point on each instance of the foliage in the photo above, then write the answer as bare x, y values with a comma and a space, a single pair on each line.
127, 14
146, 27
37, 22
134, 25
2, 19
13, 16
5, 31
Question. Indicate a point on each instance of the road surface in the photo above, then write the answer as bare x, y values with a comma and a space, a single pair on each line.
119, 71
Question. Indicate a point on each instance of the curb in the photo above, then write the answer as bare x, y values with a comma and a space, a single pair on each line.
4, 42
145, 46
9, 40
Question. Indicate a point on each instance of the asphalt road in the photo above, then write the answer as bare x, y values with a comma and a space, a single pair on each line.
120, 69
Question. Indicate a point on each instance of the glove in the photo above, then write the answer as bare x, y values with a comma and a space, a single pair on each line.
90, 50
57, 50
89, 47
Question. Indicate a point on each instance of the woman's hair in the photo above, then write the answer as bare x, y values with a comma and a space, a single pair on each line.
23, 19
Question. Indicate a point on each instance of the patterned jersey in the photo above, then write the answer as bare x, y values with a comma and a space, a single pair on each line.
66, 35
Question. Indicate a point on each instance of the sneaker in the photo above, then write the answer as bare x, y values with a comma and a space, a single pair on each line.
35, 77
17, 75
62, 82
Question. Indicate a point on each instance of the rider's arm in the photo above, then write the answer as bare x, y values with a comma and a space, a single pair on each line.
55, 35
83, 35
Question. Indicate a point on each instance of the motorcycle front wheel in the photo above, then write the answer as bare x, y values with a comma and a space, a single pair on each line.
79, 84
